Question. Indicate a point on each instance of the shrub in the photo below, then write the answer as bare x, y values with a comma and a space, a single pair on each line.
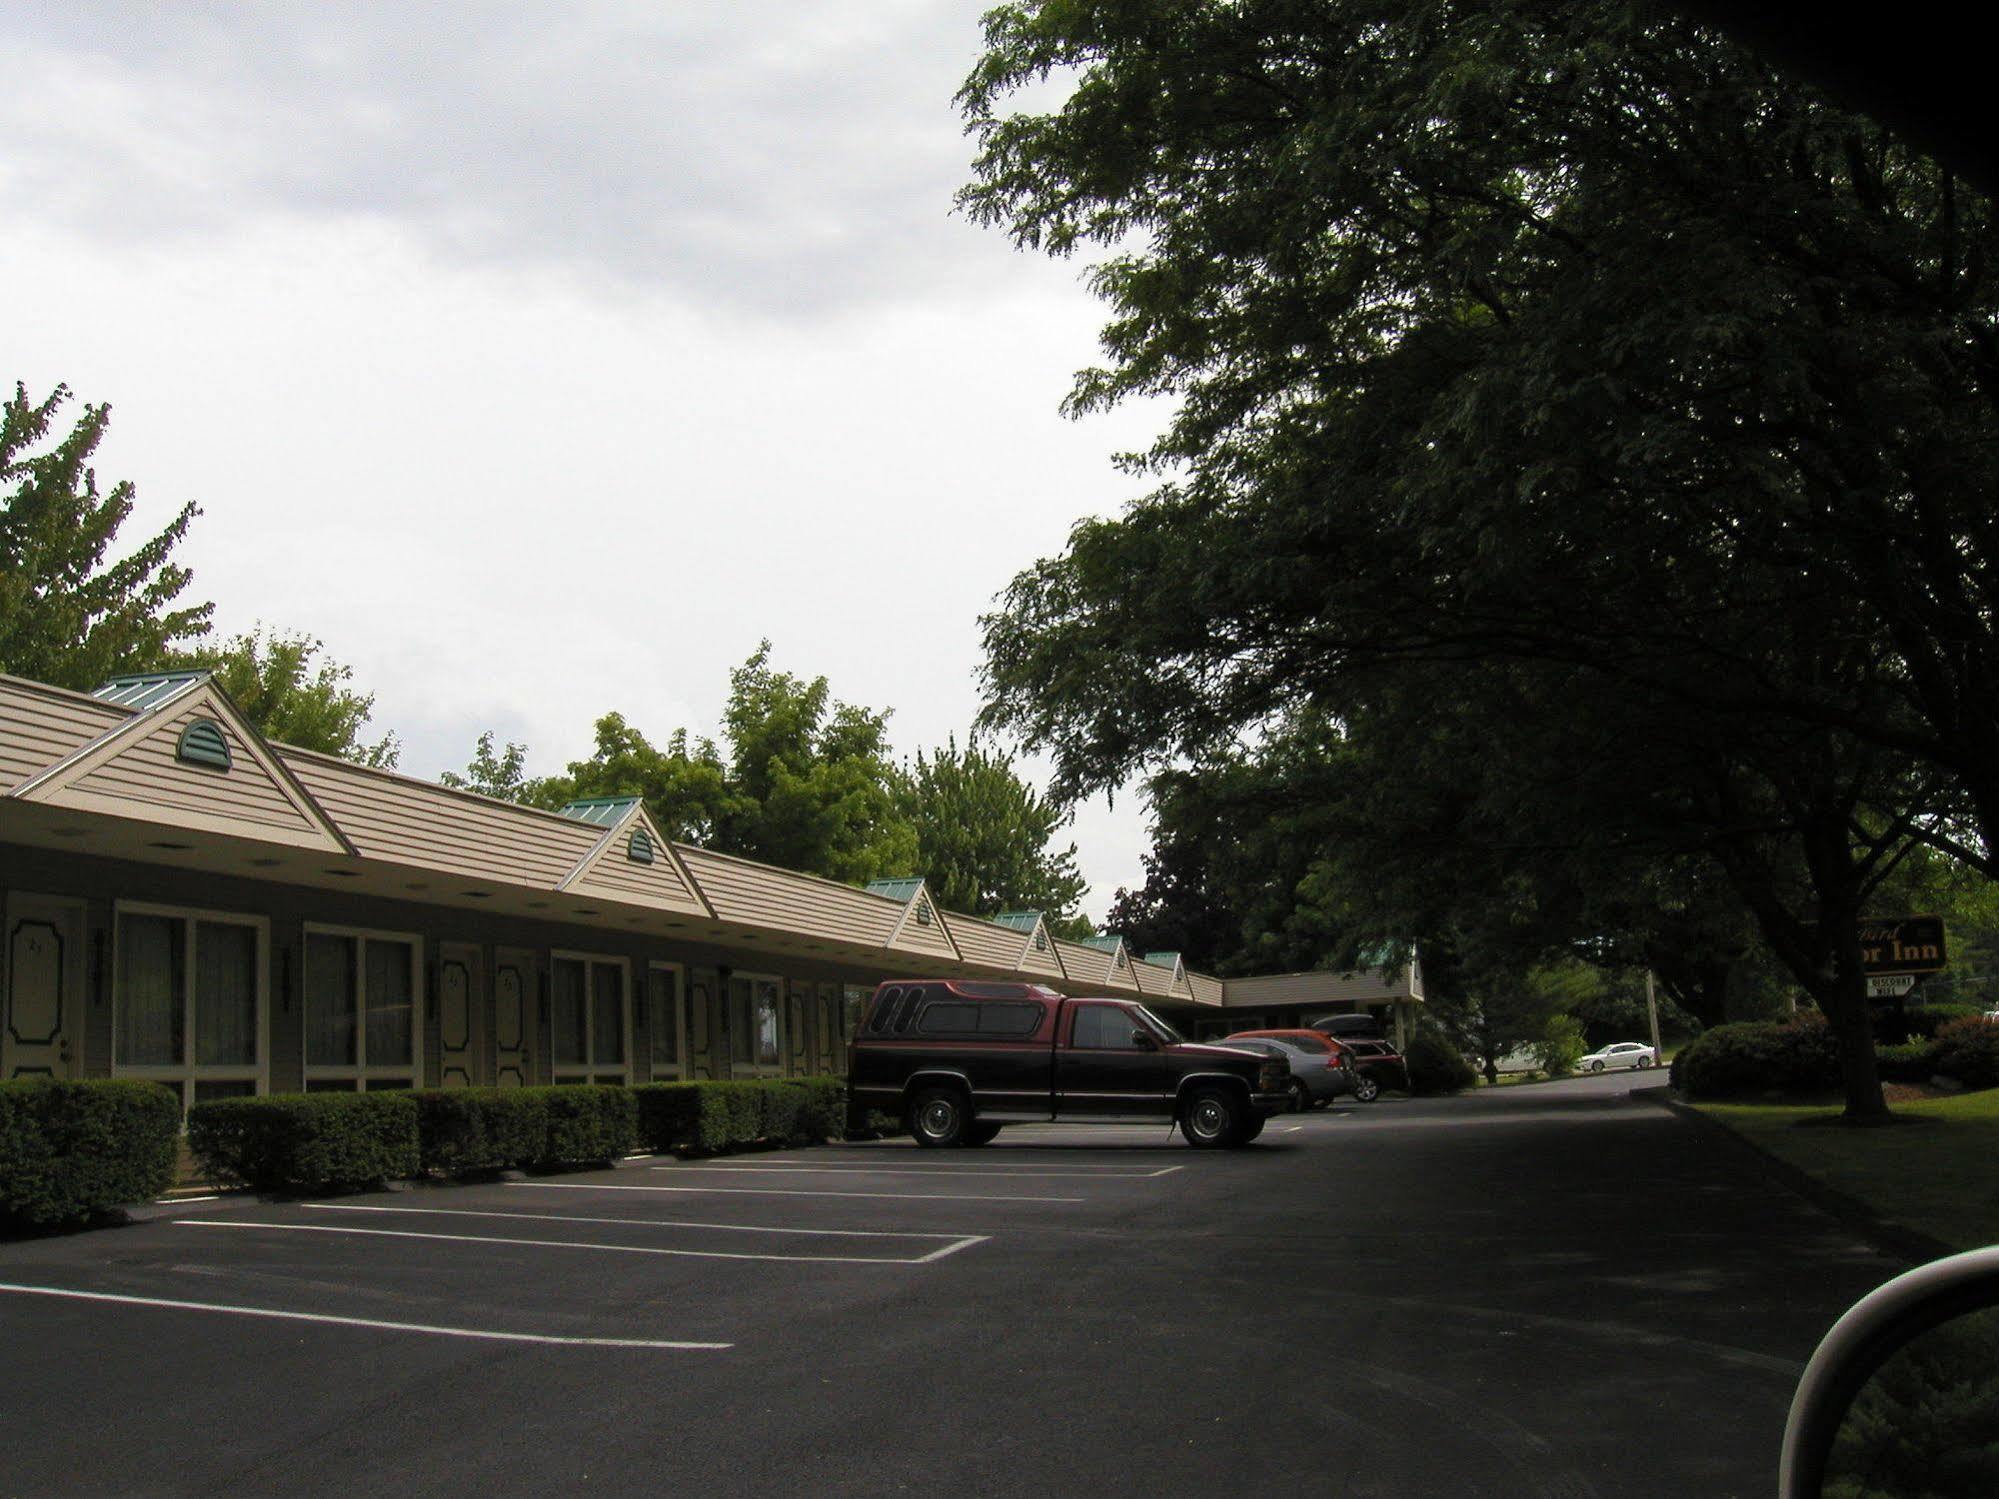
587, 1123
1561, 1045
1759, 1056
1435, 1065
480, 1129
1919, 1022
1911, 1063
717, 1115
302, 1141
69, 1151
1968, 1051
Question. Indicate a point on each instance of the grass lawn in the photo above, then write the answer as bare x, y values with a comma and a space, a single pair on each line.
1940, 1177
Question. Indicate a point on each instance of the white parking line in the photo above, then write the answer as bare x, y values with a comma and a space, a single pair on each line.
956, 1240
647, 1249
485, 1334
788, 1192
1123, 1173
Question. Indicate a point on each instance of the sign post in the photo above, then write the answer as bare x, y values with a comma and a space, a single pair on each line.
1652, 1013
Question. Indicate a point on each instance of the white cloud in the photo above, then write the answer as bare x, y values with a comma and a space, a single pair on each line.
544, 369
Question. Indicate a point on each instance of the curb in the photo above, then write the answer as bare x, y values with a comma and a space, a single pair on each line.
1896, 1240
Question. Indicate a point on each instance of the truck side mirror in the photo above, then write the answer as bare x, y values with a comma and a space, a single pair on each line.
1144, 1040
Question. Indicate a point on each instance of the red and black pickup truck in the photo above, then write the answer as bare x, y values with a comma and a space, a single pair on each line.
957, 1060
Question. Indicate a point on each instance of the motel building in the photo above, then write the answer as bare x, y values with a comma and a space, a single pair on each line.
189, 902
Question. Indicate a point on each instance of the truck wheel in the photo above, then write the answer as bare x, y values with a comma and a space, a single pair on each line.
1251, 1130
979, 1134
937, 1117
1212, 1118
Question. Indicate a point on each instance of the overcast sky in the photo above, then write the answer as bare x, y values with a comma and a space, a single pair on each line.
542, 359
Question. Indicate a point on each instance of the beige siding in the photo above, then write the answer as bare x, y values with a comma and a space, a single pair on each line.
982, 944
146, 773
413, 822
1207, 991
1151, 978
913, 936
1315, 988
777, 900
1043, 964
613, 874
1085, 965
41, 725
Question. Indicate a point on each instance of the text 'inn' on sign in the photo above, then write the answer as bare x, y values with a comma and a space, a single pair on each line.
1902, 944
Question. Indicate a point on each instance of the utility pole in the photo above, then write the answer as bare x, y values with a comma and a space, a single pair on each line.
1652, 1013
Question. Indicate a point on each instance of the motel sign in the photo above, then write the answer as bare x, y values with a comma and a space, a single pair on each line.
1902, 944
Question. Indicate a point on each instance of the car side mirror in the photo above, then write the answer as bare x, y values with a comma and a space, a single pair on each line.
1144, 1040
1925, 1342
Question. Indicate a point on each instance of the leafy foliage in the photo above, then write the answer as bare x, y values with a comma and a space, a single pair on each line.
72, 1150
1968, 1050
70, 613
983, 838
292, 692
712, 1116
302, 1141
1435, 1065
1754, 1058
1560, 1046
1922, 1427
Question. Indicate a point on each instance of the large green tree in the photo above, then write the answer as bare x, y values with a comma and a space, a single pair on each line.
72, 612
984, 838
293, 691
1568, 335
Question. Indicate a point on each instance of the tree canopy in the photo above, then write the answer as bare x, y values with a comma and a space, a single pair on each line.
1570, 353
293, 692
72, 613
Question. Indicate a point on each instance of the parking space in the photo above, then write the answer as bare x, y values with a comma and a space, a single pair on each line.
1066, 1309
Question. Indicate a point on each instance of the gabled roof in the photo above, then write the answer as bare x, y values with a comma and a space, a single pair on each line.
921, 928
187, 758
633, 863
1038, 952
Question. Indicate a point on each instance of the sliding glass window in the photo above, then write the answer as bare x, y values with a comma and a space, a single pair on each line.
188, 1005
589, 1013
363, 1007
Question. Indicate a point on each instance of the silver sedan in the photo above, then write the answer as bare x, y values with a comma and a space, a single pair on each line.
1317, 1077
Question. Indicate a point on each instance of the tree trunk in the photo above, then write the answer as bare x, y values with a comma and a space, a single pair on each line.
1844, 1001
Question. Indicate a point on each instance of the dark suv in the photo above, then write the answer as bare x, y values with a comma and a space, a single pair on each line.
958, 1060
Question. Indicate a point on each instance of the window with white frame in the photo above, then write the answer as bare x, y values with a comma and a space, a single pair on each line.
189, 1005
363, 1008
756, 1009
589, 1019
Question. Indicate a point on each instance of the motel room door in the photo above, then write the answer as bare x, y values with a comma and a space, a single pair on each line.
458, 991
513, 1017
41, 1007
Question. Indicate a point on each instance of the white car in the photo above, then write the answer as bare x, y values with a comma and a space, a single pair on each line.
1632, 1054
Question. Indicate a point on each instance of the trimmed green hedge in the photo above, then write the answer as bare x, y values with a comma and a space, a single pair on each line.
588, 1124
1968, 1051
480, 1129
1750, 1058
1436, 1066
306, 1141
1921, 1022
69, 1151
717, 1115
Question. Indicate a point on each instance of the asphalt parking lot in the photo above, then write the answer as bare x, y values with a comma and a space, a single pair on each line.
1562, 1292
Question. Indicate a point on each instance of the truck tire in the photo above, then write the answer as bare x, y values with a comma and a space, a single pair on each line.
1251, 1130
1214, 1117
979, 1134
938, 1117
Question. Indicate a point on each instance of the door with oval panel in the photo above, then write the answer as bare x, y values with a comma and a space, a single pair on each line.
458, 1017
798, 1028
513, 1017
41, 1004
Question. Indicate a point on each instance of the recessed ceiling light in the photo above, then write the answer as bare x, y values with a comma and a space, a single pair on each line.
266, 863
179, 848
69, 832
586, 911
477, 894
417, 885
537, 905
344, 874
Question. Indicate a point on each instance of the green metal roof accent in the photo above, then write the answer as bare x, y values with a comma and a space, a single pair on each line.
899, 890
1104, 944
203, 743
604, 811
638, 847
144, 689
1164, 959
1020, 921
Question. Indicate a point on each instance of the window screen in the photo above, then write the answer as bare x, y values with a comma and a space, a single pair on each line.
949, 1018
1009, 1020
